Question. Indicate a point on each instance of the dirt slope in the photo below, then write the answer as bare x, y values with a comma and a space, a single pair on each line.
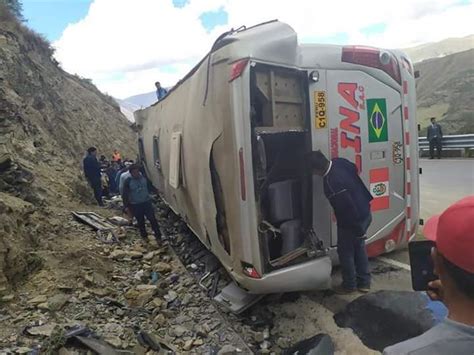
48, 118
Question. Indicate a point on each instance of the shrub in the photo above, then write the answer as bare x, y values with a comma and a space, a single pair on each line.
11, 9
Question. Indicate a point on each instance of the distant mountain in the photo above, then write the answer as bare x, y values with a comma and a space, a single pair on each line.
142, 100
129, 105
128, 108
440, 49
445, 90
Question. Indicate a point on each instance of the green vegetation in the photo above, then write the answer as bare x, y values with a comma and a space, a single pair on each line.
11, 14
14, 6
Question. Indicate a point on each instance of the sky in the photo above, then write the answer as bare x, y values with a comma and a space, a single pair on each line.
124, 46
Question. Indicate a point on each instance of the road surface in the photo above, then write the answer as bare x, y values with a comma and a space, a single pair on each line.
443, 182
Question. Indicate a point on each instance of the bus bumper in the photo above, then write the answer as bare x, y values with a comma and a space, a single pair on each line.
311, 275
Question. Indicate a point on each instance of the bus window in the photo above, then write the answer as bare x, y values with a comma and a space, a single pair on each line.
141, 150
156, 152
175, 160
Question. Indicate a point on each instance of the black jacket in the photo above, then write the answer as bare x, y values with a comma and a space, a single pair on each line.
91, 168
348, 195
434, 132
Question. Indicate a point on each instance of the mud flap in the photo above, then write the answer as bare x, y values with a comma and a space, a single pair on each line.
236, 299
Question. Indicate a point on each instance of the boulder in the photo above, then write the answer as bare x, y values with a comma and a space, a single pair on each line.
57, 302
139, 297
384, 318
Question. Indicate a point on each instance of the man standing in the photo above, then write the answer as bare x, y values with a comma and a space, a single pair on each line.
160, 92
435, 135
453, 259
93, 174
137, 198
112, 172
123, 176
350, 201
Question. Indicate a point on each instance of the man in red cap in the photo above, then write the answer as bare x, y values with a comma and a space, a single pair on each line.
453, 257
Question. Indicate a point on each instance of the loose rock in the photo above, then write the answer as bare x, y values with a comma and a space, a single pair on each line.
38, 300
57, 302
118, 254
163, 267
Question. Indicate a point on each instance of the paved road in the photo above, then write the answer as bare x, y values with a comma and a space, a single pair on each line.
444, 182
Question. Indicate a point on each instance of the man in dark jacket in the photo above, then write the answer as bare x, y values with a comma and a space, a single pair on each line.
435, 135
137, 198
350, 200
93, 174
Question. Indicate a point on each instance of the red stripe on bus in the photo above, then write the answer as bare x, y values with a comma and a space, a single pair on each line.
408, 213
408, 162
377, 247
407, 138
405, 87
405, 112
408, 188
379, 175
380, 203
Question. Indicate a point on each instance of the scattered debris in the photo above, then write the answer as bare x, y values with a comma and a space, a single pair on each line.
94, 220
44, 330
320, 344
119, 221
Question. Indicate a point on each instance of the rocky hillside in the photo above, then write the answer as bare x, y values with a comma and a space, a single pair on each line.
48, 118
445, 90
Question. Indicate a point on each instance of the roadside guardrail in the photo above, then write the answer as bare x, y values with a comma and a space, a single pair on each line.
460, 142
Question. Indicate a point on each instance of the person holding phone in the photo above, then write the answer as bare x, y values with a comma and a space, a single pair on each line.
453, 260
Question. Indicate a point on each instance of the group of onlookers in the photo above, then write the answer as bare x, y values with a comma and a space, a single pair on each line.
124, 178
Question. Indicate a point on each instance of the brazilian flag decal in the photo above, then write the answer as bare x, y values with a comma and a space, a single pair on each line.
377, 118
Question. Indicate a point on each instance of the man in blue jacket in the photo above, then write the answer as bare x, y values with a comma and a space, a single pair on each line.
137, 198
92, 173
350, 200
161, 92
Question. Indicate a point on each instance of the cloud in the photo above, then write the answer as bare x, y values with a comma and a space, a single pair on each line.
126, 45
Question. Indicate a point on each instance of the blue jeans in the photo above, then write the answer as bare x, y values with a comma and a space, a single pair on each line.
353, 257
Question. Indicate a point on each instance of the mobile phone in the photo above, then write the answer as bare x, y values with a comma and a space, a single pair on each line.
422, 268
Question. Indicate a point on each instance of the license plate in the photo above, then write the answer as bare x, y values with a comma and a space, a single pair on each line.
320, 109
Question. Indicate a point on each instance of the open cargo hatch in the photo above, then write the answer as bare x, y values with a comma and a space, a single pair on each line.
281, 137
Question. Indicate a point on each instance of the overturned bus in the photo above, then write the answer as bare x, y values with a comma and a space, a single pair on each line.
226, 149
